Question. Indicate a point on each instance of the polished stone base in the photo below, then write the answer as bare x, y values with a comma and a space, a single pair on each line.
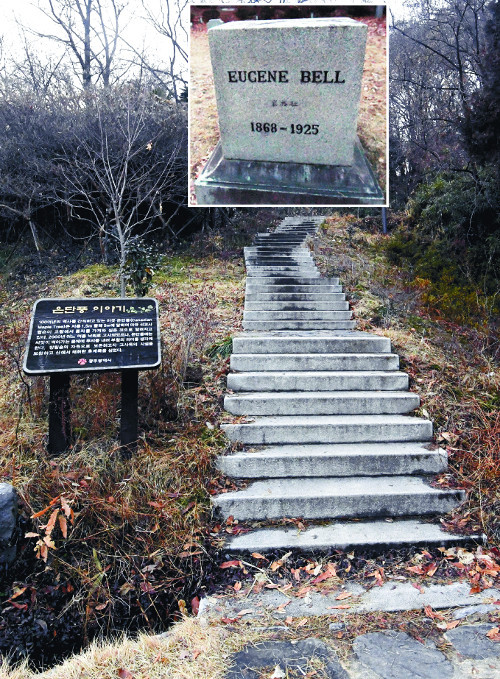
253, 182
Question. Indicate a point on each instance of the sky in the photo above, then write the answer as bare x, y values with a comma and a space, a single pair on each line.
137, 31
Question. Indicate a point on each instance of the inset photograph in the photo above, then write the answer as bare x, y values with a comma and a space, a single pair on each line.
288, 105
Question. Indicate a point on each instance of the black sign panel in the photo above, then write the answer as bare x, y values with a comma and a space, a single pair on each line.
82, 335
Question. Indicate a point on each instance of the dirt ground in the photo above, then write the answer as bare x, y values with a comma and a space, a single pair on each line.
203, 123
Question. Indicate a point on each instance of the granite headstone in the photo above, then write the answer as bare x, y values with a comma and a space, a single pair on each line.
289, 90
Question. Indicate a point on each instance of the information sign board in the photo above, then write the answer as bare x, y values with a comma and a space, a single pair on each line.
85, 335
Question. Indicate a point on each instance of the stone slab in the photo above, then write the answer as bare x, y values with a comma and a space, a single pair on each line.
337, 497
471, 641
288, 656
8, 522
346, 535
288, 90
391, 596
394, 655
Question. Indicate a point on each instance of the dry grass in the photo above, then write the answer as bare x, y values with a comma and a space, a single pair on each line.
136, 544
203, 126
199, 649
189, 651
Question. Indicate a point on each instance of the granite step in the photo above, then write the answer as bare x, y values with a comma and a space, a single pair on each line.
321, 402
347, 459
297, 315
291, 289
342, 380
292, 280
309, 362
329, 429
334, 497
299, 325
311, 343
294, 297
283, 305
282, 268
347, 535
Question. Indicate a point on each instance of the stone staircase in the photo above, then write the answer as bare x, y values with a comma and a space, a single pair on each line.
326, 433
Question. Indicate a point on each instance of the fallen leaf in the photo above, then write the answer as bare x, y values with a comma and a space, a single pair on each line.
433, 614
419, 587
125, 674
230, 564
237, 586
195, 605
494, 634
17, 592
431, 570
302, 622
282, 607
245, 611
256, 555
196, 654
63, 525
340, 606
343, 595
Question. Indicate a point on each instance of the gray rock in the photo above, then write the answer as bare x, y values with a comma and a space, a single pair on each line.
471, 641
336, 626
474, 610
394, 655
8, 522
214, 22
289, 656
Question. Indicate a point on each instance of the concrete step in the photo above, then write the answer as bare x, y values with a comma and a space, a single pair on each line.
329, 429
299, 325
346, 535
251, 305
278, 252
331, 497
280, 271
348, 459
342, 380
292, 280
279, 261
294, 297
297, 315
323, 362
290, 289
321, 402
312, 343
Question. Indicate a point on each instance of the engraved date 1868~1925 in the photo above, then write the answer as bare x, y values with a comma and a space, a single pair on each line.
294, 128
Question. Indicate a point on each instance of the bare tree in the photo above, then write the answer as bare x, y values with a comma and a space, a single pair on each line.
89, 30
437, 67
170, 20
127, 167
31, 133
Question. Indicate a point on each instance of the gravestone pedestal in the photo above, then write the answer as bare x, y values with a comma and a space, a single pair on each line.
254, 182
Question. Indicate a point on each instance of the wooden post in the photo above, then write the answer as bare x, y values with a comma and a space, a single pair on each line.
59, 414
128, 421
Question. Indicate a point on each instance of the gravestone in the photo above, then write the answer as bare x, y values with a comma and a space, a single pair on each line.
288, 94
